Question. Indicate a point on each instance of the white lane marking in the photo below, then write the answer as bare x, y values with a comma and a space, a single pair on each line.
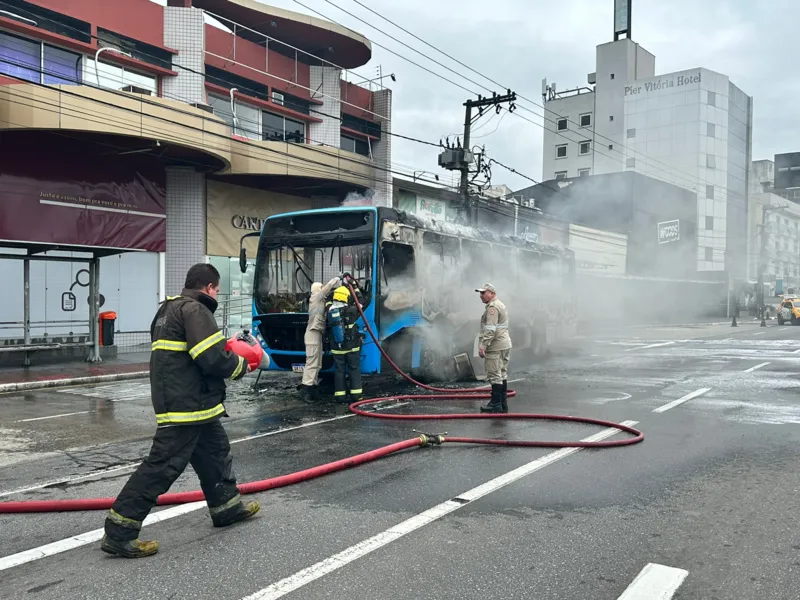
760, 333
650, 346
133, 465
751, 369
796, 351
655, 582
21, 558
339, 560
680, 401
83, 412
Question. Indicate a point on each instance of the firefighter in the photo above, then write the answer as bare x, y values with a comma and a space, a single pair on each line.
495, 348
188, 369
345, 341
313, 337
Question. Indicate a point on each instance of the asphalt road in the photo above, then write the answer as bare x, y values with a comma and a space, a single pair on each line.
705, 508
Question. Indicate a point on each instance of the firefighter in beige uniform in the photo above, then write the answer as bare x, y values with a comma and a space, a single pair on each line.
313, 337
495, 348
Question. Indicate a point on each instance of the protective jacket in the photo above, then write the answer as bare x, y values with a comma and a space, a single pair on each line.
494, 327
343, 299
189, 363
317, 310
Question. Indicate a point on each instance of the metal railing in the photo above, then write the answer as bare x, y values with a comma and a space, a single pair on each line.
234, 313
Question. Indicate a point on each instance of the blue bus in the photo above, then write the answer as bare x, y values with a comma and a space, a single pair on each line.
418, 277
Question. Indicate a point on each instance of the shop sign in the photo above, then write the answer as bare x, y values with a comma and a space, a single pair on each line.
432, 208
669, 231
247, 223
662, 84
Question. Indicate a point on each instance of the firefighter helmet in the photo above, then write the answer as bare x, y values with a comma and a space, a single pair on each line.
341, 294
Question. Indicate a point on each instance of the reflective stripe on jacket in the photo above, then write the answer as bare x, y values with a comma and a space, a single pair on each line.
189, 363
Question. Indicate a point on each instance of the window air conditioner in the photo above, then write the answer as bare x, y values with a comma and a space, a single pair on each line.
277, 98
137, 90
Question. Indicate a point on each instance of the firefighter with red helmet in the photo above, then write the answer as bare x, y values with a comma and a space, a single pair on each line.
188, 368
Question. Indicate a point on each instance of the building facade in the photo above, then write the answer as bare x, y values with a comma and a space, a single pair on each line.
691, 128
162, 134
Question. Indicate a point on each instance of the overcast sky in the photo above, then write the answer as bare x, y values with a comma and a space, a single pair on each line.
518, 42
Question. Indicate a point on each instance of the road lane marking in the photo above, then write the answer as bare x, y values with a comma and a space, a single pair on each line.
83, 412
796, 351
21, 558
27, 556
680, 401
751, 369
353, 553
655, 582
760, 333
133, 465
650, 346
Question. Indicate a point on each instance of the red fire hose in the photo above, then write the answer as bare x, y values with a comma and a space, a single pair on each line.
359, 459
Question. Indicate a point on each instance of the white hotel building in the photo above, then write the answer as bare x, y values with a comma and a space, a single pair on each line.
691, 128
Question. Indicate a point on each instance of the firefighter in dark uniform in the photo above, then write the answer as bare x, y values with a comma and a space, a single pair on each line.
188, 369
345, 340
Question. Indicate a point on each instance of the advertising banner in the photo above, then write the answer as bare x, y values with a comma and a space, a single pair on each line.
58, 190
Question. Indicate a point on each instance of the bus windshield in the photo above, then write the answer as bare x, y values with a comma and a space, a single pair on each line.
284, 273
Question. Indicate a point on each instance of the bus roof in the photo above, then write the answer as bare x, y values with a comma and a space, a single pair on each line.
317, 211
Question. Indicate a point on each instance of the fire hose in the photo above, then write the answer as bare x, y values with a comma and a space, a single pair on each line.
423, 440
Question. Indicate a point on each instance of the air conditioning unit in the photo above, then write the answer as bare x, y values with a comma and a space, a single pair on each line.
137, 90
277, 98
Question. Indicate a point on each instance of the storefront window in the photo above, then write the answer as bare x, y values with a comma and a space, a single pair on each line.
279, 128
32, 61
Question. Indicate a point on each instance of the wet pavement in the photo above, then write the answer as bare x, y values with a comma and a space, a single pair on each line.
713, 489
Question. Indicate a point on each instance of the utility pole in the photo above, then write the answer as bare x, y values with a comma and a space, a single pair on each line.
460, 158
762, 265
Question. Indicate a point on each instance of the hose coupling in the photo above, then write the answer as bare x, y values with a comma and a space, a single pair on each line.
431, 439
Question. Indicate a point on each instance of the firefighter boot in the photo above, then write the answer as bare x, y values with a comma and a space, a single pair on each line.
505, 395
308, 394
495, 405
128, 548
234, 514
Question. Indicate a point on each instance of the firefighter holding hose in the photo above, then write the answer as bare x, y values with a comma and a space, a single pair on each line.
345, 340
495, 348
313, 337
188, 368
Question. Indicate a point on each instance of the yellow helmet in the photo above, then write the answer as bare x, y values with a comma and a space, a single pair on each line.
341, 294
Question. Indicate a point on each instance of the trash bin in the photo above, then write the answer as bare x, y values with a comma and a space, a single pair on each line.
107, 321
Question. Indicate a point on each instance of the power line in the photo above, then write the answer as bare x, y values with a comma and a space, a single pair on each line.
693, 179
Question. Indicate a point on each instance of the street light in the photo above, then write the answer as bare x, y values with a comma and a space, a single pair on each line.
414, 176
97, 54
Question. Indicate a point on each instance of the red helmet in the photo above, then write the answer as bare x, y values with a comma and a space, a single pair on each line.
245, 345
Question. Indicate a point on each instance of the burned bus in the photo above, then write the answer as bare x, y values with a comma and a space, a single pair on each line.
418, 278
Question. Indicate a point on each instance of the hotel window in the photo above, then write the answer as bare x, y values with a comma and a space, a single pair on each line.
33, 61
709, 254
584, 172
114, 77
562, 124
631, 133
585, 147
711, 162
712, 99
561, 174
354, 145
630, 163
561, 151
710, 192
279, 128
711, 130
586, 120
709, 222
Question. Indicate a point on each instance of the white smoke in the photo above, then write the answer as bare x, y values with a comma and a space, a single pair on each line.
356, 199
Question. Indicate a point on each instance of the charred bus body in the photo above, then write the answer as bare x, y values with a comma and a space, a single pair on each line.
418, 277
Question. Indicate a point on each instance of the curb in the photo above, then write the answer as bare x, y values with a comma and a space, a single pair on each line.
51, 383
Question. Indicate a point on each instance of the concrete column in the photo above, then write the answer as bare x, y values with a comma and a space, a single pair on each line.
325, 81
382, 150
184, 31
186, 225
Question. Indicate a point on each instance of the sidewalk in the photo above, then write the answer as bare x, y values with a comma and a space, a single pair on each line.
125, 366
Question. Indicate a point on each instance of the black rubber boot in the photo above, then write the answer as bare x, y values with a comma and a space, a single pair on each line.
495, 405
237, 513
308, 394
128, 548
505, 395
